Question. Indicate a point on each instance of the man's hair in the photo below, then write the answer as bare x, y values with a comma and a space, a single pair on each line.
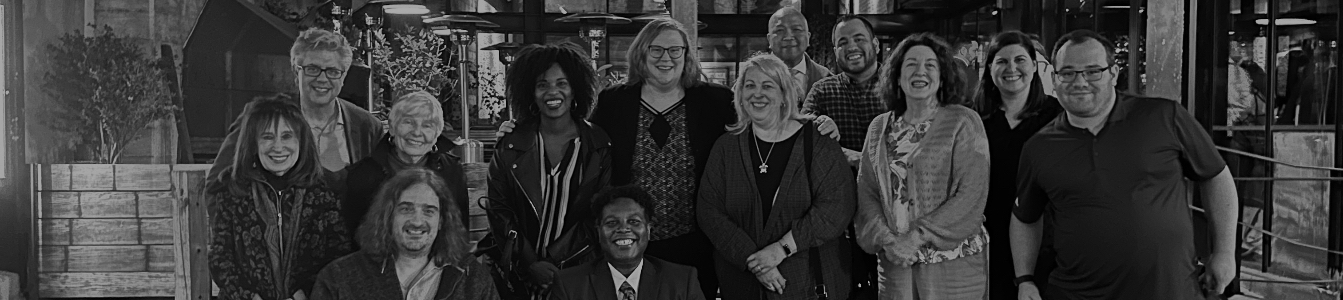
264, 113
632, 192
535, 60
317, 39
871, 33
415, 103
376, 235
637, 56
949, 92
1081, 36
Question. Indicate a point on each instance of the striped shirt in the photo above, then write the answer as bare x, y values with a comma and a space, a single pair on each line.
851, 104
560, 181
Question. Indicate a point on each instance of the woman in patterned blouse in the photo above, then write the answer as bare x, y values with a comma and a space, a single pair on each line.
274, 222
923, 180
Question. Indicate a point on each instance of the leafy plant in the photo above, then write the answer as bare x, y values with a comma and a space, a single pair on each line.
492, 99
105, 91
412, 62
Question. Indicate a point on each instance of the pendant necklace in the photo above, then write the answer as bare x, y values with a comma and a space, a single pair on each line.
764, 159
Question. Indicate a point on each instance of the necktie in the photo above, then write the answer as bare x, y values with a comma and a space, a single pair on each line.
626, 291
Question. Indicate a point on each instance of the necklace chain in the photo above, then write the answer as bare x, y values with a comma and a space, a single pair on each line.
764, 159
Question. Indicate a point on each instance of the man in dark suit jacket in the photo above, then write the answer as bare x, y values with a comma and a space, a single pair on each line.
623, 224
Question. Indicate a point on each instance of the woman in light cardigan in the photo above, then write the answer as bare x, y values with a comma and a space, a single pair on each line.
923, 180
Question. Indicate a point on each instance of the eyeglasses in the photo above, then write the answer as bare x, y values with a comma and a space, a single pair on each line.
674, 51
1089, 74
333, 73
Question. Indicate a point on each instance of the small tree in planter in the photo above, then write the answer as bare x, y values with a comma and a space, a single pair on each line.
413, 62
105, 92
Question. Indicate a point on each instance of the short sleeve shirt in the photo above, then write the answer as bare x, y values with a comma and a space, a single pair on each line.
1123, 227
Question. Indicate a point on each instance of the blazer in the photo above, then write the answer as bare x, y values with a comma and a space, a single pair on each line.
950, 185
362, 132
815, 72
659, 280
708, 109
730, 212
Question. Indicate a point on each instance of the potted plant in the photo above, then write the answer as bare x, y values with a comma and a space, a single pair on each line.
413, 62
105, 91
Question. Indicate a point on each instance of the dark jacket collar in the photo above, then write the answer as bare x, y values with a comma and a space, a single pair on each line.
385, 150
605, 287
522, 138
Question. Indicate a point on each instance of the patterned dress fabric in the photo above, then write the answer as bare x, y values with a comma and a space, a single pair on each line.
666, 170
902, 143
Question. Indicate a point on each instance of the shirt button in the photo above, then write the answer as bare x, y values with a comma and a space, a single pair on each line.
510, 146
515, 166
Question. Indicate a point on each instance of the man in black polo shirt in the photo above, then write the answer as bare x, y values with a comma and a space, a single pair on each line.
1112, 167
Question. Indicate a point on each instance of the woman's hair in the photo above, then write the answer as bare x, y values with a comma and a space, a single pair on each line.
317, 39
533, 61
259, 115
990, 98
417, 103
950, 91
776, 70
375, 234
637, 56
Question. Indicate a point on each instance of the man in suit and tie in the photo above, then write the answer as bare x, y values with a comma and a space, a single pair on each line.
624, 219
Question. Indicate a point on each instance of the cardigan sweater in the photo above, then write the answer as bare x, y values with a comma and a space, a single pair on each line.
949, 182
815, 207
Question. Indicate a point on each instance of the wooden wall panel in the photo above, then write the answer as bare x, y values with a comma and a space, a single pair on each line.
155, 204
51, 259
161, 258
54, 232
58, 205
91, 177
107, 205
143, 177
105, 231
156, 231
53, 177
107, 258
82, 285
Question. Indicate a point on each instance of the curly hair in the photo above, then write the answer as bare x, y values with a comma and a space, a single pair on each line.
632, 192
535, 60
989, 97
263, 113
952, 81
637, 56
776, 70
376, 236
317, 39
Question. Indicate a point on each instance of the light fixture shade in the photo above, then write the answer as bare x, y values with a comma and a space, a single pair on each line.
1286, 22
592, 17
405, 9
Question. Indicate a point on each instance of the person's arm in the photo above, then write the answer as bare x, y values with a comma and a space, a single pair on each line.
1025, 231
225, 268
728, 239
1220, 202
868, 221
962, 214
832, 210
1025, 241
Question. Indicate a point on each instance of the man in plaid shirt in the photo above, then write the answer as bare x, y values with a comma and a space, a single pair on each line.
849, 100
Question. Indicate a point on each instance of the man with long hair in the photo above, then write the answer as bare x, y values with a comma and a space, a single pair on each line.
413, 247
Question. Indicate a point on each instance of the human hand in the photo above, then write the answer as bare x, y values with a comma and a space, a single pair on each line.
904, 248
1219, 271
298, 295
1028, 291
827, 127
765, 259
505, 128
772, 280
543, 273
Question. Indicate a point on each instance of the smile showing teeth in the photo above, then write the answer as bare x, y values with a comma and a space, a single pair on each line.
854, 56
624, 242
662, 68
553, 103
417, 232
759, 104
279, 157
1009, 78
321, 90
918, 84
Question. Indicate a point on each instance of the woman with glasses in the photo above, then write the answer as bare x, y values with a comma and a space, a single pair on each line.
663, 121
923, 180
1014, 106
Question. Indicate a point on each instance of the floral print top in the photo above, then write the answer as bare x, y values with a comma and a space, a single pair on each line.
902, 143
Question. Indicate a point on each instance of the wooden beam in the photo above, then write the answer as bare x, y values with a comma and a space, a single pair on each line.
192, 274
101, 285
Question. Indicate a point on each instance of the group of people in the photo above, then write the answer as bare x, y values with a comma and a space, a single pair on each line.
666, 186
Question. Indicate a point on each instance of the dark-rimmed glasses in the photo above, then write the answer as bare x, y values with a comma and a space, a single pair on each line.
1092, 74
333, 73
674, 51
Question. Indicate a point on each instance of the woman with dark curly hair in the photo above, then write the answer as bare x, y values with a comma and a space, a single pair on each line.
923, 178
546, 170
274, 222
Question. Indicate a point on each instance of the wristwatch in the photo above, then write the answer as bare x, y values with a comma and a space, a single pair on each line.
1023, 279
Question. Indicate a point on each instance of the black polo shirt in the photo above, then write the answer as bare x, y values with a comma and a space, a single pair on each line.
1123, 225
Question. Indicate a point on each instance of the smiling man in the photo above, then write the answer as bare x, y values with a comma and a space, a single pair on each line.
623, 222
789, 37
850, 98
414, 248
344, 133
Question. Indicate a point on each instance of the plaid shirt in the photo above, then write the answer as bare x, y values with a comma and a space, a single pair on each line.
851, 104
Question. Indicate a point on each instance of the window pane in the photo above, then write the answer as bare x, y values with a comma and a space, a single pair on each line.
718, 59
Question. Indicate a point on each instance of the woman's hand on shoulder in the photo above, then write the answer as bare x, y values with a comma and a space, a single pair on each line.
504, 128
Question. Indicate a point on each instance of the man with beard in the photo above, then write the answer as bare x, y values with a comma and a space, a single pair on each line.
789, 37
623, 222
850, 98
414, 248
344, 132
1113, 168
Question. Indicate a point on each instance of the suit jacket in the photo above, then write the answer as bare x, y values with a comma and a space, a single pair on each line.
730, 211
814, 73
362, 132
660, 280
